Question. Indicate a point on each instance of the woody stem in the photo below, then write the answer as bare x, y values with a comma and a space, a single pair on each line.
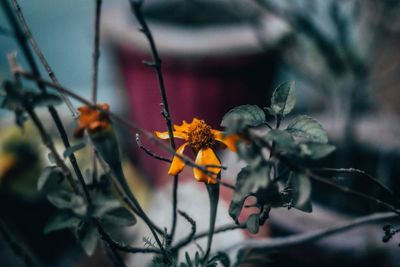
156, 64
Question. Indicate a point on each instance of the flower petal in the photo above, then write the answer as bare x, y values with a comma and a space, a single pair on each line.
182, 128
165, 135
177, 164
206, 157
229, 140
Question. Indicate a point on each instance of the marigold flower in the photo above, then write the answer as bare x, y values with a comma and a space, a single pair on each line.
92, 119
200, 137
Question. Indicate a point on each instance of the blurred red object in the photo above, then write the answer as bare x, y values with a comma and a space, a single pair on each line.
205, 89
207, 69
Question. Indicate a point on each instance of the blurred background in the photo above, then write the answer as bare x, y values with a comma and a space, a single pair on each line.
343, 55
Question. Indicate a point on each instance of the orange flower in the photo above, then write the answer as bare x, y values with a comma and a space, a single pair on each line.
201, 138
92, 119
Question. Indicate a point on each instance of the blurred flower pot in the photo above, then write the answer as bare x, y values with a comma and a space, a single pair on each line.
210, 63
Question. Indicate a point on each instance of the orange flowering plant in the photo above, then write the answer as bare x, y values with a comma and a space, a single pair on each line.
201, 138
92, 119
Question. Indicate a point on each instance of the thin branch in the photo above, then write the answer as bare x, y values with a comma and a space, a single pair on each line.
221, 229
149, 152
122, 247
96, 50
300, 239
22, 41
127, 124
136, 7
46, 139
40, 55
191, 235
359, 172
95, 71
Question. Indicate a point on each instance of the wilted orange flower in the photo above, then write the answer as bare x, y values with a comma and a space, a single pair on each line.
92, 119
201, 138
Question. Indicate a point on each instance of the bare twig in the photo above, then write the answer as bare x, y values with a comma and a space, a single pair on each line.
46, 138
96, 50
95, 71
149, 152
221, 229
361, 173
127, 124
22, 41
40, 55
300, 239
191, 235
122, 247
156, 64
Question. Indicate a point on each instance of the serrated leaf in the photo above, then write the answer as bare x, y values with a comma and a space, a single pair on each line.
253, 223
284, 98
89, 239
284, 141
248, 180
120, 217
46, 99
64, 199
301, 192
248, 153
61, 220
316, 150
306, 129
72, 149
242, 116
48, 173
101, 207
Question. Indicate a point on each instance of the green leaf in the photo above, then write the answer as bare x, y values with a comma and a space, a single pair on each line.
306, 129
213, 194
61, 220
249, 153
284, 98
248, 180
188, 260
223, 259
88, 238
253, 223
72, 149
48, 173
284, 141
242, 116
64, 199
316, 150
120, 217
301, 192
46, 99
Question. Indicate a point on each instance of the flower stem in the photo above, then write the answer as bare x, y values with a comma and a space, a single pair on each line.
156, 64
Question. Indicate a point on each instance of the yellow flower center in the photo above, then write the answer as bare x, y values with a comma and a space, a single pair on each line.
200, 135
